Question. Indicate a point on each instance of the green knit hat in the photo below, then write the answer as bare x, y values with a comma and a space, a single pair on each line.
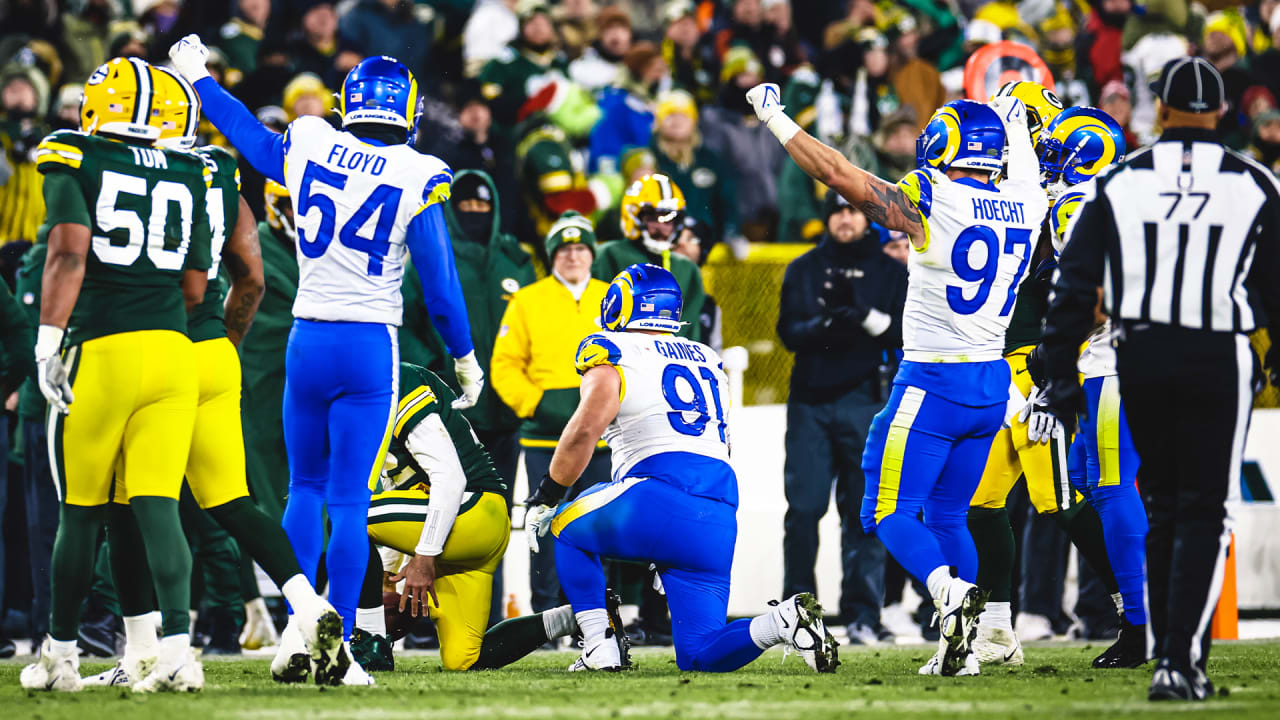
572, 227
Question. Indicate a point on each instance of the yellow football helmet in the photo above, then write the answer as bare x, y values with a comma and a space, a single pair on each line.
1042, 104
175, 109
658, 198
118, 100
277, 202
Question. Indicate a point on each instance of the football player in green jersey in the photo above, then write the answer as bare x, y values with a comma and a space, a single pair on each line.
441, 504
216, 464
128, 252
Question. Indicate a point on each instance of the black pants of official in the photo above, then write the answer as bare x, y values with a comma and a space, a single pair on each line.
1188, 396
824, 444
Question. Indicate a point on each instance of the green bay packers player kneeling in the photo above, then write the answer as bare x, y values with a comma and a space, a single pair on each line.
442, 504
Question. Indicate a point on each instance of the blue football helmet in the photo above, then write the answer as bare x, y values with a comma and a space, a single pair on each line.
962, 134
1079, 144
642, 297
380, 89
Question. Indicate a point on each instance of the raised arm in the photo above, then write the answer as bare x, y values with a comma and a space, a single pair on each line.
880, 201
263, 148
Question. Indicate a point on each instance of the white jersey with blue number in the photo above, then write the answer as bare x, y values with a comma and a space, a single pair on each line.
675, 398
962, 285
352, 206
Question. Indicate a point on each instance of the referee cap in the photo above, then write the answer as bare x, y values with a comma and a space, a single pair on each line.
1190, 84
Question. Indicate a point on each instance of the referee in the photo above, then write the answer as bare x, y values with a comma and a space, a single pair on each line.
1182, 237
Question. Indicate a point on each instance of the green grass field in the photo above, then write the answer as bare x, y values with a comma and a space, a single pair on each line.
1055, 682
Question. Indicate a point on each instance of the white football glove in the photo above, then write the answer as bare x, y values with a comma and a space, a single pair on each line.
1041, 424
537, 521
189, 56
1012, 111
766, 100
470, 378
51, 374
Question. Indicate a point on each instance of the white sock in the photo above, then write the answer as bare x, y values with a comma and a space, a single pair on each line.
140, 636
938, 581
372, 620
997, 615
62, 648
593, 623
157, 621
559, 622
298, 591
764, 630
1118, 599
172, 646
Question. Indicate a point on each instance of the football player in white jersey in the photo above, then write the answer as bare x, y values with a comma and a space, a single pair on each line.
363, 200
971, 244
661, 402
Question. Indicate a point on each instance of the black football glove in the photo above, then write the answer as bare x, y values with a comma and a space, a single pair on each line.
1036, 366
1065, 400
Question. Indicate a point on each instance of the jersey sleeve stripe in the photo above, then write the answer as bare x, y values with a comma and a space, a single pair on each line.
409, 412
63, 148
408, 400
59, 159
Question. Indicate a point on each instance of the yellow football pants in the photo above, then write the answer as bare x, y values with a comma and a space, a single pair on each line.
215, 464
133, 413
1013, 454
215, 469
464, 571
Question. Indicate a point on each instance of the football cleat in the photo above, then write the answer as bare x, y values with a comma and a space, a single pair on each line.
292, 663
996, 646
127, 671
259, 630
1128, 651
602, 654
959, 606
372, 652
179, 673
321, 629
354, 675
799, 622
612, 605
51, 671
1034, 627
934, 666
1169, 683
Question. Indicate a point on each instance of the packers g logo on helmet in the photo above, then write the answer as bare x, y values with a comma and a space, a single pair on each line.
1043, 105
118, 100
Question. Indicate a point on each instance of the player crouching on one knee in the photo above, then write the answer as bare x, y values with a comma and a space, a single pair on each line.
660, 402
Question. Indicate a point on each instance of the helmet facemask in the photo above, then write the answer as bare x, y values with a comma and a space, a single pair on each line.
652, 220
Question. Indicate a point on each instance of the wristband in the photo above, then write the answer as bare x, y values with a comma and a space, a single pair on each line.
783, 127
48, 341
430, 543
549, 493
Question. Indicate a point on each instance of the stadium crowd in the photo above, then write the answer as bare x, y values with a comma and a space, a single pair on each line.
543, 109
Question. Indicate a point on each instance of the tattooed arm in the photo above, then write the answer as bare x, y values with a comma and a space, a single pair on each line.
882, 202
243, 257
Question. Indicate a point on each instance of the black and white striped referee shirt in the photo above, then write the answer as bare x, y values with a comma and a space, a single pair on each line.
1184, 233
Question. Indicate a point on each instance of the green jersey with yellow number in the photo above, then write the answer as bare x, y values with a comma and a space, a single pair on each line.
422, 393
222, 203
145, 209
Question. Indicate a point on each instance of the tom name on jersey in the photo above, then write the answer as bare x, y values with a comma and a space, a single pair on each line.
370, 163
679, 351
1006, 211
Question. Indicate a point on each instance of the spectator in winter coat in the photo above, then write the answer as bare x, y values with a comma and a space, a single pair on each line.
627, 108
709, 188
398, 28
601, 62
748, 148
